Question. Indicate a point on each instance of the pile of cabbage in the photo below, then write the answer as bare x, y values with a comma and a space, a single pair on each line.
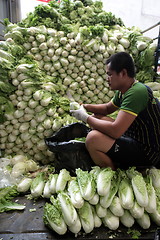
97, 197
56, 55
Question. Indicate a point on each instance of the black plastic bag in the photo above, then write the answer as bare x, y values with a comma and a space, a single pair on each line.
70, 154
157, 234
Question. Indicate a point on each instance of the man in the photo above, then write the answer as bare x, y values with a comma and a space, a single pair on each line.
133, 138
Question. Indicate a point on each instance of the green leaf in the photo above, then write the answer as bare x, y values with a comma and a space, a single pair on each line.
8, 193
6, 87
9, 205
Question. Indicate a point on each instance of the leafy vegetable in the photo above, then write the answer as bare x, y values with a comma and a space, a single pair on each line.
152, 205
95, 199
46, 190
6, 195
53, 218
53, 180
7, 205
62, 179
86, 184
9, 192
76, 227
19, 169
101, 211
144, 221
139, 187
127, 220
86, 216
106, 201
137, 211
75, 194
135, 234
68, 211
24, 185
62, 15
104, 181
125, 192
37, 185
111, 221
155, 175
116, 207
155, 216
74, 105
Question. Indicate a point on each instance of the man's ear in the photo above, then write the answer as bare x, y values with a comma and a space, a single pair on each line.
124, 73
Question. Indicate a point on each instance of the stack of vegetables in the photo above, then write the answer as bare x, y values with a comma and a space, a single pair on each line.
88, 200
101, 196
59, 50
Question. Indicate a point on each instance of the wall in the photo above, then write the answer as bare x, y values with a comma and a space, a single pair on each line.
140, 13
28, 7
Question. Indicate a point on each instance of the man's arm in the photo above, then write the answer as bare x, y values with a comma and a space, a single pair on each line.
103, 109
113, 129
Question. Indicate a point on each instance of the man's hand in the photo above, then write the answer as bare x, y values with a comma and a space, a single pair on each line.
80, 114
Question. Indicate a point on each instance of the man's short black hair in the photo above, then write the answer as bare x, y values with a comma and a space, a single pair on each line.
120, 61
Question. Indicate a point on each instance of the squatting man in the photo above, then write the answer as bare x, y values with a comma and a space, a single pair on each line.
133, 138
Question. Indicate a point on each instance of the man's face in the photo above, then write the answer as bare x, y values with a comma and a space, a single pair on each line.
114, 79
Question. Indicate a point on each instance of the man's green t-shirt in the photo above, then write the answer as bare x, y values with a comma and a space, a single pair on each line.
145, 129
134, 100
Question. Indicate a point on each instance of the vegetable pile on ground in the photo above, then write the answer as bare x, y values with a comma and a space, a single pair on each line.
101, 196
58, 51
88, 200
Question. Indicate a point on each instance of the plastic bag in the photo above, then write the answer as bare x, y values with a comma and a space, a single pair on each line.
70, 154
157, 234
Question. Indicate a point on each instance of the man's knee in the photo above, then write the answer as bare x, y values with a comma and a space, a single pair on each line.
96, 140
91, 138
